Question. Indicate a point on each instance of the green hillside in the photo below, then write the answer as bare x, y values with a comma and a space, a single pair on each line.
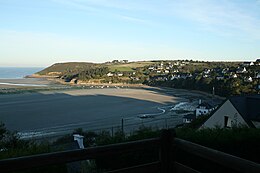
59, 69
64, 68
128, 67
227, 78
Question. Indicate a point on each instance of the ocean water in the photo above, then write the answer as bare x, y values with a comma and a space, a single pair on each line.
17, 72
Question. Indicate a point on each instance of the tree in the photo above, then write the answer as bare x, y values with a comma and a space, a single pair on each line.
3, 131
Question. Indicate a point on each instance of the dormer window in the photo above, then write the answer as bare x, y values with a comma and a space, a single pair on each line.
227, 122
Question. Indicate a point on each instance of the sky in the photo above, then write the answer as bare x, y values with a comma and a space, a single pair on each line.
43, 32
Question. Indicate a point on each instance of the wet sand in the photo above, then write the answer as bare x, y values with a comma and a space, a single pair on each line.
93, 108
65, 110
33, 81
15, 86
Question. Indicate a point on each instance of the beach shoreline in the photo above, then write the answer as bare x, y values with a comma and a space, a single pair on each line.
63, 109
47, 82
56, 79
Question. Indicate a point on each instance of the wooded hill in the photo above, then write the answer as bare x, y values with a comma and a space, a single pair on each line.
227, 78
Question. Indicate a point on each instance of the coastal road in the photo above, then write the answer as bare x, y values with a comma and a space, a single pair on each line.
50, 112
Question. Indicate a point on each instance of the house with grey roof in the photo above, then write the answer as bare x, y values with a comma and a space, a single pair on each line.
188, 118
203, 108
257, 62
235, 111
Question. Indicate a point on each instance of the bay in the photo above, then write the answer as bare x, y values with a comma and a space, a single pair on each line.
17, 72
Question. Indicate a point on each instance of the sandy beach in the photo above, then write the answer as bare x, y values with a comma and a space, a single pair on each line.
24, 82
50, 109
62, 111
28, 85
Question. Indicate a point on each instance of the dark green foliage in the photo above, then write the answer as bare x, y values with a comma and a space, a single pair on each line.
145, 155
144, 133
67, 68
93, 73
82, 71
239, 141
68, 77
196, 123
226, 87
103, 138
3, 131
11, 146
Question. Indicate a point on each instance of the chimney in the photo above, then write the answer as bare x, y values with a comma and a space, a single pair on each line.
199, 101
79, 140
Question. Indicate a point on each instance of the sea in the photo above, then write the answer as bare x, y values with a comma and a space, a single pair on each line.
17, 72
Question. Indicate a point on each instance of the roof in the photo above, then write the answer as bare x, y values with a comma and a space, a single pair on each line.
248, 107
189, 116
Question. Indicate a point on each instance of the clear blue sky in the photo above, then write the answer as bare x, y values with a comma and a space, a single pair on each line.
42, 32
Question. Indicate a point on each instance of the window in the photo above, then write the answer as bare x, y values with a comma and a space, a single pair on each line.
227, 122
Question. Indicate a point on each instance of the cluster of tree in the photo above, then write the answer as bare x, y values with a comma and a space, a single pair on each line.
86, 74
91, 73
225, 87
147, 74
12, 146
246, 142
65, 68
238, 141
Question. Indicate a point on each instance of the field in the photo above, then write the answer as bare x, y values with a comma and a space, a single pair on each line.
128, 67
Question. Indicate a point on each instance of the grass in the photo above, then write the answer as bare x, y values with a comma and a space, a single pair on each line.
129, 67
120, 68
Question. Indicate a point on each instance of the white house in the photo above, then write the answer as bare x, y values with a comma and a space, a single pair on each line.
174, 77
166, 71
244, 70
234, 75
257, 62
246, 64
176, 63
238, 110
241, 70
206, 71
248, 79
188, 118
110, 74
220, 77
175, 70
203, 108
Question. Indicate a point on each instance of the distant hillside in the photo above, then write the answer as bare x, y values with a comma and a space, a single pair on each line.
225, 78
59, 69
109, 72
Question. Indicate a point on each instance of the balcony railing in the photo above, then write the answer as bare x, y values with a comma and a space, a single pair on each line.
166, 146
